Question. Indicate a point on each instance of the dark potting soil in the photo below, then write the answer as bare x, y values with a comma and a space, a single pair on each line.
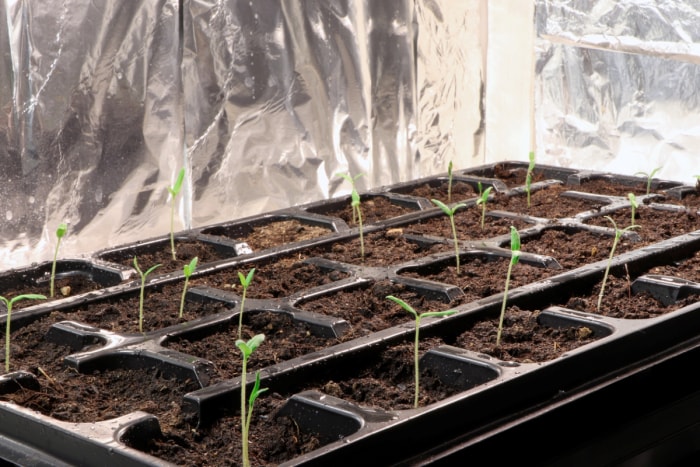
385, 382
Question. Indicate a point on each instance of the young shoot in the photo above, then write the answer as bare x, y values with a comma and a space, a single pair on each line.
8, 304
449, 182
247, 349
60, 233
417, 318
187, 270
245, 283
450, 212
528, 177
143, 288
514, 258
174, 191
356, 211
649, 176
483, 198
634, 204
618, 235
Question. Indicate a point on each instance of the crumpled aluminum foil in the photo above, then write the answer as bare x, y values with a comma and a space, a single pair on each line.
263, 101
616, 86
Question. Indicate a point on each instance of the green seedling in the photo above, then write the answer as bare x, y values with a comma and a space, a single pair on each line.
245, 283
449, 182
174, 191
483, 198
247, 349
634, 204
187, 270
451, 214
8, 304
649, 176
514, 258
60, 233
528, 177
418, 318
356, 211
618, 235
143, 288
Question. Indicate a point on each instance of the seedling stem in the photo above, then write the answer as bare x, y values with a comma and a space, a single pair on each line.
60, 232
618, 235
187, 270
449, 182
247, 349
356, 210
649, 176
451, 214
8, 304
143, 288
514, 257
483, 198
245, 283
417, 318
528, 177
174, 191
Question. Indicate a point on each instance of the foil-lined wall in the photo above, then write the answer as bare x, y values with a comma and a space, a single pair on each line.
262, 101
616, 86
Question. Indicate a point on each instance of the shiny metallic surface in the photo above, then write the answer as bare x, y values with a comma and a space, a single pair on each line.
616, 86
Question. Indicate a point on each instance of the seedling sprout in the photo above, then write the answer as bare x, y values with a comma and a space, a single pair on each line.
356, 211
174, 191
649, 176
528, 177
451, 214
418, 317
187, 270
8, 304
483, 198
245, 283
449, 182
143, 288
514, 257
634, 204
60, 232
618, 235
247, 349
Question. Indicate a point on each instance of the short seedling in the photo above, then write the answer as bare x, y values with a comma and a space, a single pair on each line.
618, 235
514, 257
634, 204
143, 288
174, 191
449, 182
451, 214
528, 177
60, 233
247, 349
417, 318
187, 270
8, 304
245, 283
356, 210
483, 198
649, 176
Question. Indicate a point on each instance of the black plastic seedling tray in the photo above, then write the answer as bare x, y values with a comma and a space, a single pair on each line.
626, 397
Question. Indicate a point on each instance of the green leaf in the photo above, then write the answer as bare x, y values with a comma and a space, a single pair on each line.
484, 196
61, 230
633, 200
514, 245
249, 347
246, 280
531, 166
175, 189
403, 304
188, 269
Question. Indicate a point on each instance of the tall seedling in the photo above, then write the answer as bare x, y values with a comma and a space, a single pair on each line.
60, 233
247, 349
356, 210
450, 212
634, 204
143, 288
8, 304
649, 176
528, 177
174, 191
417, 318
483, 198
618, 235
245, 283
514, 257
187, 270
